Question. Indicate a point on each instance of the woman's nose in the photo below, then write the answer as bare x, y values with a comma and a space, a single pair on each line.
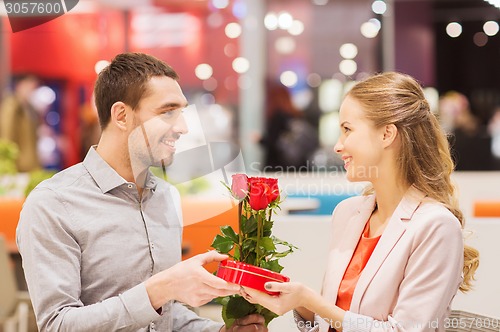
338, 147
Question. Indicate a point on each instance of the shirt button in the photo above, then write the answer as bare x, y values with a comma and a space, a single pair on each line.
130, 186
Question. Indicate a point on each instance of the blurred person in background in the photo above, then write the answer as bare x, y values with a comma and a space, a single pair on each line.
101, 241
19, 121
397, 254
469, 139
289, 140
494, 131
91, 131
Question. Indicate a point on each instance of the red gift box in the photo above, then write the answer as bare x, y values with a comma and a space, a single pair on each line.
248, 275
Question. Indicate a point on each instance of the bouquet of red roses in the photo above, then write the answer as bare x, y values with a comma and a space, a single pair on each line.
253, 245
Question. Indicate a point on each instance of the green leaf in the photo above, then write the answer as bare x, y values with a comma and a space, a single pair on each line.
221, 300
268, 225
267, 243
250, 258
243, 221
238, 307
229, 232
281, 254
267, 314
249, 226
284, 243
249, 244
222, 244
272, 265
227, 321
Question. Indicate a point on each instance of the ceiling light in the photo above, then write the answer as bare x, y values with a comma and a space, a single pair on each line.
490, 28
454, 29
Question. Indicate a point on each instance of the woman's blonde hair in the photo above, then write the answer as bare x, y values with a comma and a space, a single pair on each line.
425, 160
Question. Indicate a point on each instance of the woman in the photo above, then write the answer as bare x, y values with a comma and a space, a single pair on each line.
397, 255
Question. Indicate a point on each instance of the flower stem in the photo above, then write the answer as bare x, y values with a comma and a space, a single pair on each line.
240, 232
259, 236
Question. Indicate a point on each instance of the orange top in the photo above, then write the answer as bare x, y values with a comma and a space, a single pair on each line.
362, 253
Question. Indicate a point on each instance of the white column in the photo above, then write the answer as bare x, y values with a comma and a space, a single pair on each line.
388, 37
4, 56
251, 105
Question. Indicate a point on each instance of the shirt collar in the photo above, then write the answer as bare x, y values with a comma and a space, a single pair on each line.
105, 176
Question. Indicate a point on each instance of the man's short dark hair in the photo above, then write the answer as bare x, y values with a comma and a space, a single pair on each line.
126, 80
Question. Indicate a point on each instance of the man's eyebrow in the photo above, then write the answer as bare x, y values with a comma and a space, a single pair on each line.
172, 106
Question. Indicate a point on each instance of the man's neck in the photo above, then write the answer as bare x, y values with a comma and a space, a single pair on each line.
115, 153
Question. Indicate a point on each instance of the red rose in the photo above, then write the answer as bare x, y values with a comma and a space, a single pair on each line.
275, 191
263, 191
259, 195
239, 186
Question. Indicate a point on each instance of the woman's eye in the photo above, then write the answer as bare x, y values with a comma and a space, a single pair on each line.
346, 129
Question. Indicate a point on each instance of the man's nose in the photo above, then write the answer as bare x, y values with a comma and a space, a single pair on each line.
181, 125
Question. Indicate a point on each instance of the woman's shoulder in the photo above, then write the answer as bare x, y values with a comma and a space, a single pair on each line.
434, 215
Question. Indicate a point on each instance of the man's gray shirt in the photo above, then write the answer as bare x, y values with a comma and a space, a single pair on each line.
88, 243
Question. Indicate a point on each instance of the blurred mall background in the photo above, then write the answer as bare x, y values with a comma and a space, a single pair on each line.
230, 52
239, 61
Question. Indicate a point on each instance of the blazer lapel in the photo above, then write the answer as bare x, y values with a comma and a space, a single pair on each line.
393, 232
341, 256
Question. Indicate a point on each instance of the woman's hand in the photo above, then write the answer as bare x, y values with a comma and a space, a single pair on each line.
292, 295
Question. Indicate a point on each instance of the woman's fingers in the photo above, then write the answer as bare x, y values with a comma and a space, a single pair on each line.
276, 286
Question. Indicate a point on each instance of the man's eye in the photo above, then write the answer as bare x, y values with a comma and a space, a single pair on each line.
171, 113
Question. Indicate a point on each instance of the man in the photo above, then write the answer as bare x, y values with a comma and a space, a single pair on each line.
101, 240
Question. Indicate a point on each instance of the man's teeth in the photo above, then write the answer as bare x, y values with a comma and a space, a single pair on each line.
170, 143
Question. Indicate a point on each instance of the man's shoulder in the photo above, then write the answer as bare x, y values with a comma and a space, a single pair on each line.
64, 179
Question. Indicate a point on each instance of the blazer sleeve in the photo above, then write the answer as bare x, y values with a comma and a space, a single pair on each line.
431, 279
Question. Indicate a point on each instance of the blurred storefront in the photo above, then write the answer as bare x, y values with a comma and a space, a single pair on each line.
227, 51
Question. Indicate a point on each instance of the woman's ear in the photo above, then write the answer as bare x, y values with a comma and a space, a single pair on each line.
390, 134
119, 115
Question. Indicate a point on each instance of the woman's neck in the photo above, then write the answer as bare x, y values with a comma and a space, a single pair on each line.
388, 195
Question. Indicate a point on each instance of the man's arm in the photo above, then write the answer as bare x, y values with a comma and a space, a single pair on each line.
51, 261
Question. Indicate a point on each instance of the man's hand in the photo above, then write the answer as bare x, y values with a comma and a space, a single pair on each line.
250, 323
189, 282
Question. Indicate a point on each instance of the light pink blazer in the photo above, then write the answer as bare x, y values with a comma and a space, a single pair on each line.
413, 274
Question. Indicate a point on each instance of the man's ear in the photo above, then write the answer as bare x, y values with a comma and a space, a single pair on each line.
390, 133
119, 115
